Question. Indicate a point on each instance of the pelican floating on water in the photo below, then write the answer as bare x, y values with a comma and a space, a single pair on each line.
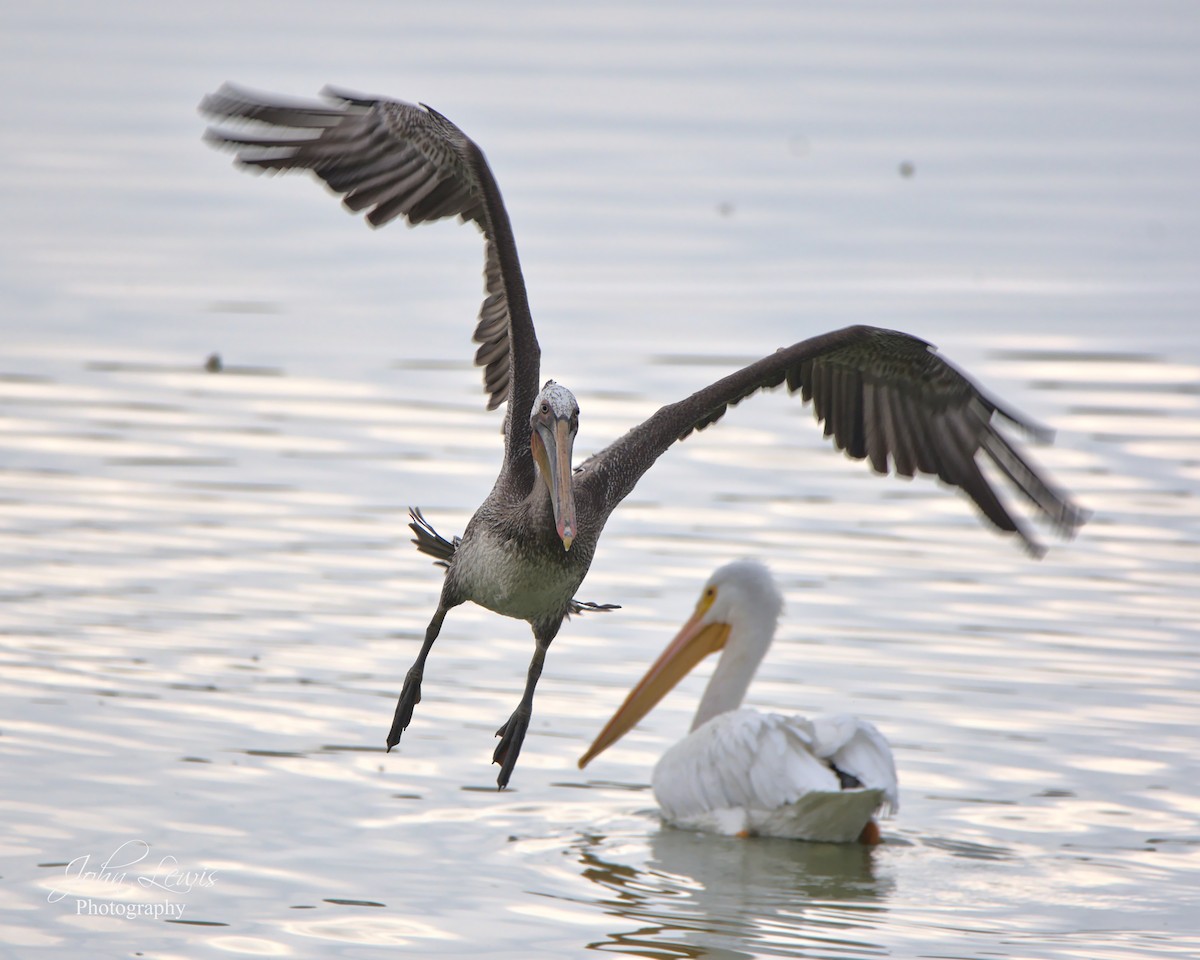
882, 395
743, 772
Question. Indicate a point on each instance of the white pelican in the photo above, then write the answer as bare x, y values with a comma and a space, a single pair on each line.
743, 772
882, 395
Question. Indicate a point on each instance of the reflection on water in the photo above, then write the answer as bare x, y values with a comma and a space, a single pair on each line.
208, 598
698, 895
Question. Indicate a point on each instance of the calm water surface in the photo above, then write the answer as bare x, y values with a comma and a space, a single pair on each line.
207, 595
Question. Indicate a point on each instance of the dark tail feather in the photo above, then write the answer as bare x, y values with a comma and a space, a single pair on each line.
429, 541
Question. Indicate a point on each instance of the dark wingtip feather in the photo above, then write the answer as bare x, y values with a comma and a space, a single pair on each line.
1027, 425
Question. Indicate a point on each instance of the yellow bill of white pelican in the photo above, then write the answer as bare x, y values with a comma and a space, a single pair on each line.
694, 641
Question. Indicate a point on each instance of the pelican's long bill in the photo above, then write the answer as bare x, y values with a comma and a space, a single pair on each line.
695, 641
552, 449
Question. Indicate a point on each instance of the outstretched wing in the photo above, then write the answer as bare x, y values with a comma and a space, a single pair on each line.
884, 396
392, 159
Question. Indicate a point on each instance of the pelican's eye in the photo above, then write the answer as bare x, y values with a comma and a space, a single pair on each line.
545, 408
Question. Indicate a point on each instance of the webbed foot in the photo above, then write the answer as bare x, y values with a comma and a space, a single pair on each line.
511, 735
410, 696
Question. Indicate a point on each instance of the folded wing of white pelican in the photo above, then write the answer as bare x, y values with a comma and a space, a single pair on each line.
740, 771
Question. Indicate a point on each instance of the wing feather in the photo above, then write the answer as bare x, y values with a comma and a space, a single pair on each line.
755, 772
742, 758
883, 396
855, 746
391, 159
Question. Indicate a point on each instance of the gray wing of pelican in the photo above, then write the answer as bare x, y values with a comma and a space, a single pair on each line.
883, 396
391, 159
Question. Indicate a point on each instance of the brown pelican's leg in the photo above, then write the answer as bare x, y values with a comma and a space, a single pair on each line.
512, 734
410, 696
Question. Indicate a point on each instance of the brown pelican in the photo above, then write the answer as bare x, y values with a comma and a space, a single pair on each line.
741, 772
882, 395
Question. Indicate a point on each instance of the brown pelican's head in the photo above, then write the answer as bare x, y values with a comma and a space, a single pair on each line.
554, 420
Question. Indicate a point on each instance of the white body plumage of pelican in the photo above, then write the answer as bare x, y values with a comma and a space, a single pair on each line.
740, 771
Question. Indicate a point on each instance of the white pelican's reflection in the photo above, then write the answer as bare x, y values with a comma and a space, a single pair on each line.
726, 897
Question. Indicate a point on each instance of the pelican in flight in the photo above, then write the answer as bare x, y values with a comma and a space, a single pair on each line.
748, 773
882, 395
